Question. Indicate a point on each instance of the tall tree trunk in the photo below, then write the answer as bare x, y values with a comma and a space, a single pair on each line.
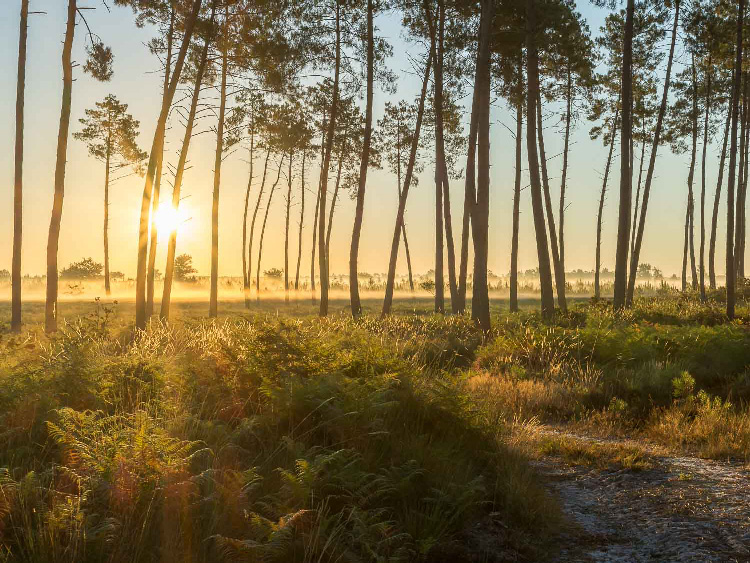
245, 273
691, 177
261, 191
561, 237
334, 200
151, 272
314, 240
324, 169
598, 267
156, 148
286, 227
717, 200
364, 164
626, 180
398, 186
685, 246
388, 300
559, 273
15, 320
53, 240
301, 221
166, 298
470, 196
107, 288
730, 273
636, 207
540, 228
635, 255
263, 228
481, 211
214, 296
706, 125
739, 238
516, 200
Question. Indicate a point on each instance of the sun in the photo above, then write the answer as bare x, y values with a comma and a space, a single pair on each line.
168, 219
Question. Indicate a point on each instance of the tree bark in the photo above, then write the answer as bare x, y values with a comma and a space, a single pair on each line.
635, 255
324, 169
156, 148
388, 300
730, 273
245, 273
706, 125
516, 199
15, 319
214, 296
166, 298
263, 229
301, 220
598, 267
559, 273
481, 211
314, 240
151, 272
691, 178
261, 191
563, 182
540, 228
334, 200
739, 233
286, 228
107, 288
626, 180
717, 200
398, 186
364, 164
53, 239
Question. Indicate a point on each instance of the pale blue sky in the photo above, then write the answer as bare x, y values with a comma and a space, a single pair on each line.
137, 83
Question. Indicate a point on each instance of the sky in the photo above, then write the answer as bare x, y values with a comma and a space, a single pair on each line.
137, 82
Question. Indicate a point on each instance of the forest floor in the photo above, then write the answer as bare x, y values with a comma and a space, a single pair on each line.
673, 509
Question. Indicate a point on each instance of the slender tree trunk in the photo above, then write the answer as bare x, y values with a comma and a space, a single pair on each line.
635, 255
166, 298
717, 200
107, 288
470, 197
314, 235
364, 164
263, 228
686, 246
730, 273
301, 221
286, 228
388, 300
636, 207
261, 191
598, 267
324, 169
516, 202
706, 125
626, 180
559, 273
15, 321
691, 178
561, 237
151, 272
334, 200
739, 233
398, 186
537, 204
245, 273
214, 296
156, 148
53, 240
481, 211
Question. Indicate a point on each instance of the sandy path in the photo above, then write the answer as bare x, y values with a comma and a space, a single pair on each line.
683, 509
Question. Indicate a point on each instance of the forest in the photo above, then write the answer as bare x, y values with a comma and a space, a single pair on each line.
154, 411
